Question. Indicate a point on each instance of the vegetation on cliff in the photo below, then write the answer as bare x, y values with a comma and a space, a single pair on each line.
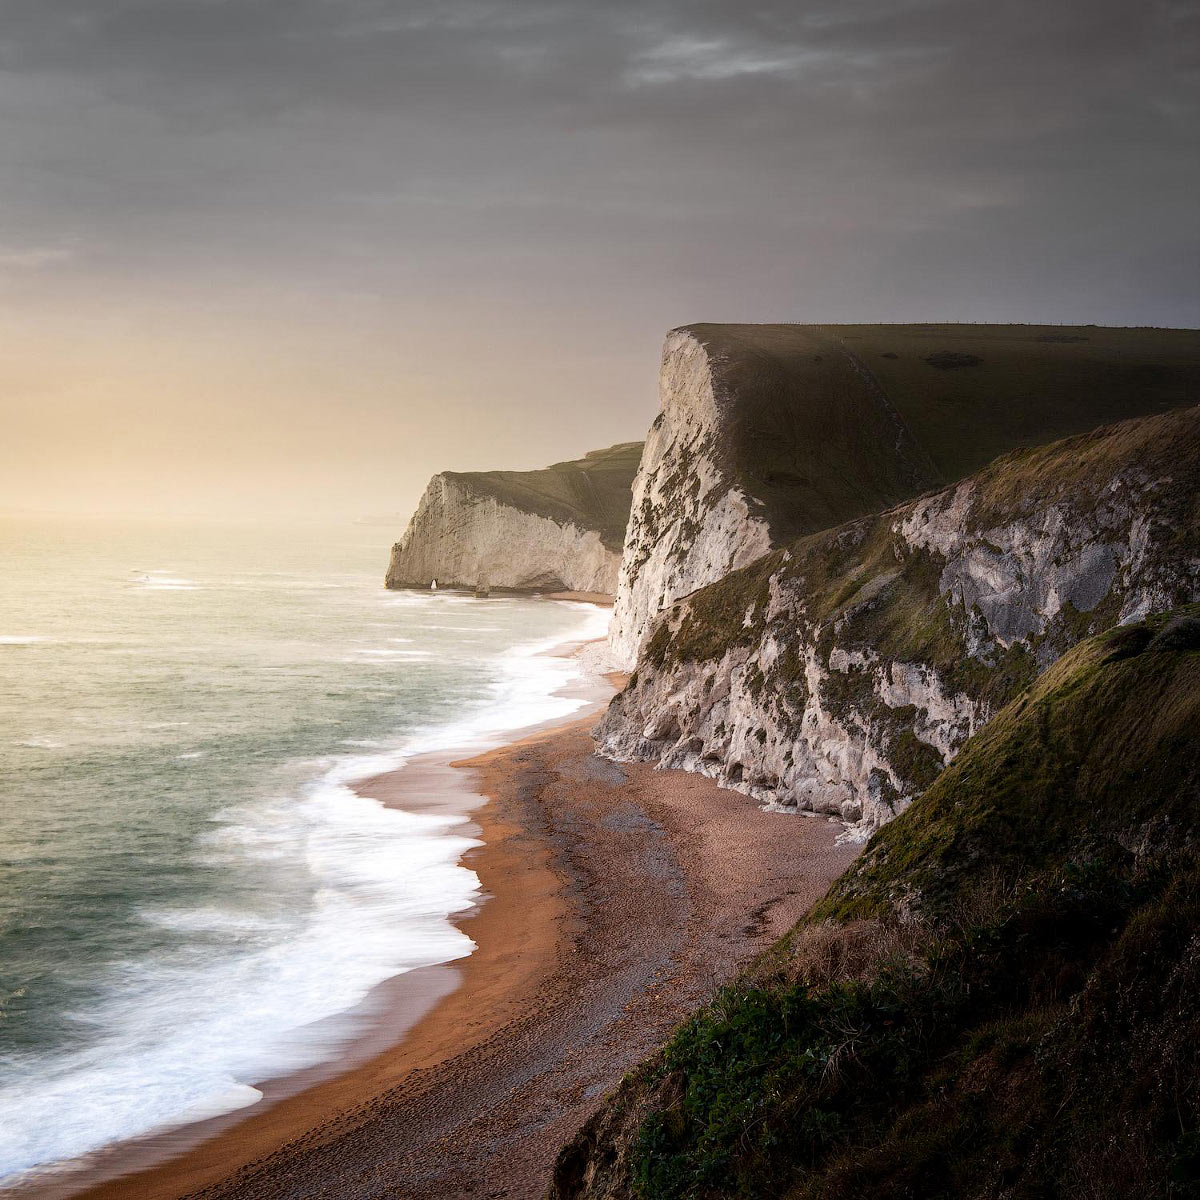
954, 396
592, 492
841, 672
883, 590
997, 999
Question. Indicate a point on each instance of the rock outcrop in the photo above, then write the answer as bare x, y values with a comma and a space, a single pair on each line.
558, 529
841, 673
750, 448
769, 432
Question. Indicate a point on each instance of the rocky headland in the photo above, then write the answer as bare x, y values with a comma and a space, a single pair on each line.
842, 673
557, 529
768, 432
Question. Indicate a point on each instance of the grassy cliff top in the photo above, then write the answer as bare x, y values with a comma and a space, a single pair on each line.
998, 998
830, 422
593, 492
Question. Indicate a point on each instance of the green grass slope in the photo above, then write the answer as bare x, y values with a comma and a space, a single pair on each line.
593, 492
998, 999
827, 423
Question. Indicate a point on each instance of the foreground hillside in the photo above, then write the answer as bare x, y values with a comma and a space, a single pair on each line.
770, 432
559, 528
841, 673
998, 999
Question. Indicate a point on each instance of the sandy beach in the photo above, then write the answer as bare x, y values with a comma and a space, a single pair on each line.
617, 898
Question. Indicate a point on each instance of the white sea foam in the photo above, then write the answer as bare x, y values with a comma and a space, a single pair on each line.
188, 1033
528, 693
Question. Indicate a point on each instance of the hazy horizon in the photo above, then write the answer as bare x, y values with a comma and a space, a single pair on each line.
274, 258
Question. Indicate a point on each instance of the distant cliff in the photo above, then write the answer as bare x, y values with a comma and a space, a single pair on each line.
841, 673
558, 529
769, 432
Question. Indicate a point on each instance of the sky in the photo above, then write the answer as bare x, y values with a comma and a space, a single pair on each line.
294, 256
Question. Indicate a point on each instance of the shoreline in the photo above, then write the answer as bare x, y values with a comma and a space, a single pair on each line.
427, 782
614, 899
652, 888
434, 1015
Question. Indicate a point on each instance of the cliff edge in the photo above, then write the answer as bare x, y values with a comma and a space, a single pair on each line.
840, 674
769, 432
997, 999
557, 529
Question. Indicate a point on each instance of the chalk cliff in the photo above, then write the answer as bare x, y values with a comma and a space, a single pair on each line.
558, 529
841, 673
769, 432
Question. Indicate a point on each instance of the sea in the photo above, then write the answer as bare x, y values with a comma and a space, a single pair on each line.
191, 891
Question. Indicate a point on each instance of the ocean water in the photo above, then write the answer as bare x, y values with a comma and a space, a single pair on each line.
189, 889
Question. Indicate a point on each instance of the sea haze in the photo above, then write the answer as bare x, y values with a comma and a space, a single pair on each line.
187, 882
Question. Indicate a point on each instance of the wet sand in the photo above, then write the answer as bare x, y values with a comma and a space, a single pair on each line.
619, 898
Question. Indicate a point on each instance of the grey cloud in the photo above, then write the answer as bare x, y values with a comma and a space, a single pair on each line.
863, 156
463, 226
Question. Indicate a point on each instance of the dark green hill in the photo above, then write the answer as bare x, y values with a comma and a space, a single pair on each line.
1032, 384
826, 423
998, 999
593, 492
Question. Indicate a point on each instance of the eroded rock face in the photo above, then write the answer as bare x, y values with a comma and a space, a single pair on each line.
840, 674
689, 522
464, 539
550, 530
759, 438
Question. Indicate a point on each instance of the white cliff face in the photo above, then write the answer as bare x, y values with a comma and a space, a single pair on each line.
464, 539
764, 433
689, 524
818, 755
1018, 576
869, 654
